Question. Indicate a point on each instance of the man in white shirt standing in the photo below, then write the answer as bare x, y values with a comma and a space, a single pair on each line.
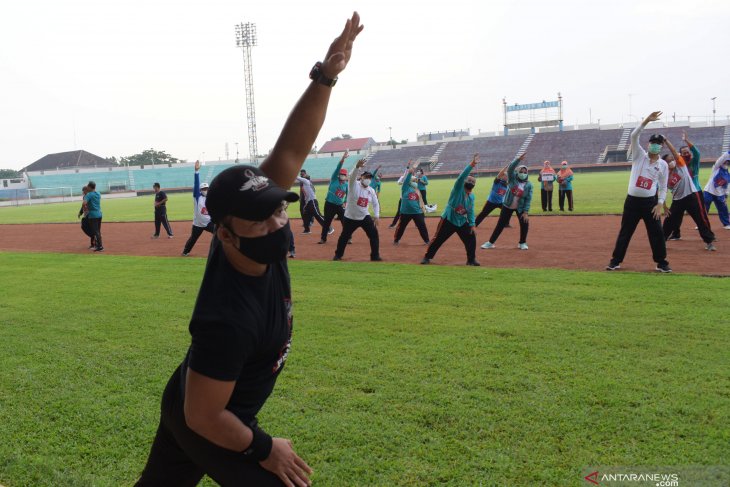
645, 201
359, 196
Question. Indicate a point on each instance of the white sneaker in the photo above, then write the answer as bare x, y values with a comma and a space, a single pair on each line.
331, 231
709, 246
726, 227
488, 245
522, 246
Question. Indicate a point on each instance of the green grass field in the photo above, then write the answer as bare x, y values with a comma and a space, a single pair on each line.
415, 376
593, 193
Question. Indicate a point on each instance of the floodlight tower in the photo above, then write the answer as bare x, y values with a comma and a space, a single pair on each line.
246, 39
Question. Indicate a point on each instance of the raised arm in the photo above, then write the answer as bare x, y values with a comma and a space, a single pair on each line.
196, 181
467, 170
336, 174
353, 176
635, 147
306, 119
721, 160
512, 166
678, 158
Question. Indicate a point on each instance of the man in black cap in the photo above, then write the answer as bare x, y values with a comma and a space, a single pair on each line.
645, 201
242, 321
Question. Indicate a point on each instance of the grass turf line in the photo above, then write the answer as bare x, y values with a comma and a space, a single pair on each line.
401, 376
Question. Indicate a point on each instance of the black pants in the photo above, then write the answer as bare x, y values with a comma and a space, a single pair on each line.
488, 208
423, 197
636, 209
95, 226
445, 230
562, 193
694, 205
86, 228
311, 210
180, 457
161, 219
547, 199
405, 219
349, 227
330, 210
195, 235
504, 218
397, 213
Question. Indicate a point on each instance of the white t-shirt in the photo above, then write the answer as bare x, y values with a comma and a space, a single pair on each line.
710, 187
680, 182
358, 199
647, 178
308, 189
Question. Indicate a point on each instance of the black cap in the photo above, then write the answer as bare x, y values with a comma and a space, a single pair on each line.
245, 192
366, 174
656, 139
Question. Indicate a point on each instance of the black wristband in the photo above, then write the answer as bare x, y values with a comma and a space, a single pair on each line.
261, 443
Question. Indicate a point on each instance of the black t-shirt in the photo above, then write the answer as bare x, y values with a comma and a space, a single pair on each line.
160, 196
241, 330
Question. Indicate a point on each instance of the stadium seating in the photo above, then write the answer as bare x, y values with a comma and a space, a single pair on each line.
574, 146
708, 140
493, 152
393, 161
322, 167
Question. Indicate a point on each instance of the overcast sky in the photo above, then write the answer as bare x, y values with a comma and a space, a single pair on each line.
118, 77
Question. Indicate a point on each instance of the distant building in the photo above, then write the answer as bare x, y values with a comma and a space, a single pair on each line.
72, 159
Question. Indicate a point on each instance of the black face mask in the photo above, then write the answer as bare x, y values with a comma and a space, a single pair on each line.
268, 249
468, 186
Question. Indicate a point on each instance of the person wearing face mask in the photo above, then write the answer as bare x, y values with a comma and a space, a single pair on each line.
458, 217
691, 156
201, 218
359, 197
565, 186
717, 187
645, 200
242, 322
336, 195
412, 208
517, 199
685, 197
422, 180
546, 178
376, 185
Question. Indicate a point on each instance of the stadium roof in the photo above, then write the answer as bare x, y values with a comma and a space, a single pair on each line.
77, 158
347, 144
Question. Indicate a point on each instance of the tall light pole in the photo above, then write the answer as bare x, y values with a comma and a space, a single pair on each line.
246, 39
713, 110
236, 152
390, 136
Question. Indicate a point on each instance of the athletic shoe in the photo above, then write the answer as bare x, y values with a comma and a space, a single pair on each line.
726, 227
674, 237
154, 236
376, 259
663, 268
426, 242
185, 254
349, 241
522, 246
99, 249
508, 226
709, 246
473, 263
92, 247
425, 261
308, 232
488, 245
331, 231
696, 228
292, 254
336, 258
391, 226
396, 243
613, 267
322, 242
570, 209
170, 236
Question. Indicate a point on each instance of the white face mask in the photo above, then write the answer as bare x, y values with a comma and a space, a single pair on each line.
365, 182
672, 164
343, 178
414, 184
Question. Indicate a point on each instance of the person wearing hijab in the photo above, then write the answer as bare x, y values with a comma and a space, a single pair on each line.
547, 179
565, 186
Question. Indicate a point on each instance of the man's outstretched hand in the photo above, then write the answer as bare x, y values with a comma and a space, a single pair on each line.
340, 50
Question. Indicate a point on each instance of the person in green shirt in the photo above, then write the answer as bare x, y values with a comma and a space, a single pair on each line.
458, 217
411, 208
92, 207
